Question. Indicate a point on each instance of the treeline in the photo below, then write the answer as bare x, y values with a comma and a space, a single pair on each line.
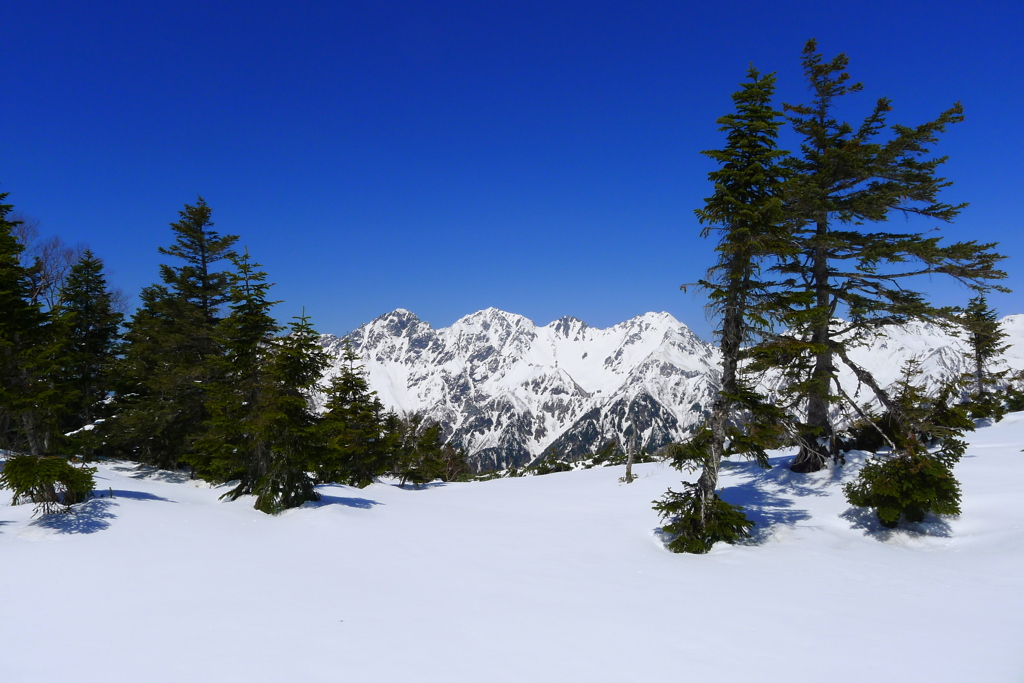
200, 376
801, 279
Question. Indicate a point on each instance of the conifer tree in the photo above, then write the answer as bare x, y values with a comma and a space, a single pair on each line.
171, 340
924, 433
985, 337
746, 208
299, 363
416, 449
843, 177
262, 430
233, 445
90, 325
26, 400
29, 397
352, 428
200, 248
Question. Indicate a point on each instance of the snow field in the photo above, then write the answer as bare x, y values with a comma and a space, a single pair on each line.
553, 578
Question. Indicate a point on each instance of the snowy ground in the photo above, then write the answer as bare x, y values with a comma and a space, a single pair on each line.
553, 578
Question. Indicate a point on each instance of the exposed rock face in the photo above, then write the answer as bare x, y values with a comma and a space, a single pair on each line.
508, 390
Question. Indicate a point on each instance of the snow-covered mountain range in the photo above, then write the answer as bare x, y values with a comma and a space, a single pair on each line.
508, 390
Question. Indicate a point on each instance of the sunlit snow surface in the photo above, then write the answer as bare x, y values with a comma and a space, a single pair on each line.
553, 578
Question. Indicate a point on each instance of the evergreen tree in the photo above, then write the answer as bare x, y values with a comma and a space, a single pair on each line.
261, 430
352, 428
29, 395
416, 448
233, 444
846, 176
985, 338
746, 208
200, 248
924, 434
91, 328
27, 401
299, 363
171, 341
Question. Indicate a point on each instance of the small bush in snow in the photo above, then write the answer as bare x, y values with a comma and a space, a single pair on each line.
51, 482
910, 485
691, 534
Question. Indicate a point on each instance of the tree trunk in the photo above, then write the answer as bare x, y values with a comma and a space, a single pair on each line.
732, 340
629, 466
818, 439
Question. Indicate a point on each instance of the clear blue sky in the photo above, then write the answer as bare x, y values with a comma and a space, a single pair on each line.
540, 157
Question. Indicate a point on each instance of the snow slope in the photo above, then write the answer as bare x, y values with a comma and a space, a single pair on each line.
553, 578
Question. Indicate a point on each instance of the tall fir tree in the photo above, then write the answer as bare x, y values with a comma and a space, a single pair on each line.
29, 403
232, 445
262, 431
352, 427
746, 209
985, 338
30, 396
843, 177
299, 363
90, 325
171, 340
200, 247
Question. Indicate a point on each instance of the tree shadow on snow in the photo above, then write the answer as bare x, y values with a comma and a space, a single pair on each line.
136, 471
87, 518
137, 495
767, 495
766, 509
91, 516
361, 503
866, 520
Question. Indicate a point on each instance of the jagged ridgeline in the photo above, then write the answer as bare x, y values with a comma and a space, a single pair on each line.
509, 391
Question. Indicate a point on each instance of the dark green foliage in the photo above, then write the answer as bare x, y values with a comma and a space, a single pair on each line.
90, 327
29, 349
980, 326
746, 210
172, 344
548, 466
935, 418
291, 426
455, 464
261, 430
609, 454
846, 176
159, 404
1014, 394
352, 428
924, 433
199, 247
417, 449
51, 482
910, 484
231, 443
695, 525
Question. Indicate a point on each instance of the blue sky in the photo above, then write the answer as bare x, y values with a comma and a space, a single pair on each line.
539, 157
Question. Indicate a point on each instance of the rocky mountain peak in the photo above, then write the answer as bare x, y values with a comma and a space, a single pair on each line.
509, 391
